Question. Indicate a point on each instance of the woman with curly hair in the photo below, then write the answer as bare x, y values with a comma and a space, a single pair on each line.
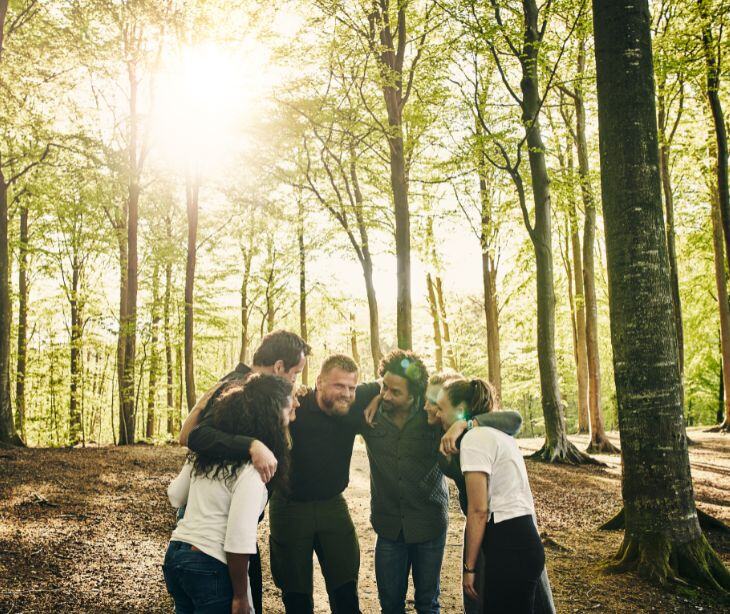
206, 563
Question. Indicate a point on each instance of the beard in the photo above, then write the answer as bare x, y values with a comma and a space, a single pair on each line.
335, 406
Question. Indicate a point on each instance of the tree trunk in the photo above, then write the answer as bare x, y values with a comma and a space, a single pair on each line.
713, 72
192, 193
353, 339
76, 427
489, 274
663, 539
154, 356
22, 324
8, 435
446, 331
666, 179
302, 284
390, 54
367, 266
433, 306
599, 441
556, 448
245, 307
581, 351
169, 370
723, 306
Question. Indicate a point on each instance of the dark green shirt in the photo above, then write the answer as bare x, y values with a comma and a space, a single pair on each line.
407, 489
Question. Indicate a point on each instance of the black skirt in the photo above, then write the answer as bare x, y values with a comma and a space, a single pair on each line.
513, 561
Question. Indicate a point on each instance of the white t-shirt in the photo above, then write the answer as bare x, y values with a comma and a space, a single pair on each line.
495, 453
221, 516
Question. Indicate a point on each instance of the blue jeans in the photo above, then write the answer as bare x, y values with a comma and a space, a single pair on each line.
198, 583
393, 563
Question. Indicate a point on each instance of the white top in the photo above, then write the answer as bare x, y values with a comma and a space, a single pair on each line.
495, 453
221, 516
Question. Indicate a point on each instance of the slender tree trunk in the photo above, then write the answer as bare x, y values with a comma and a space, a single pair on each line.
76, 427
489, 274
8, 435
713, 72
663, 539
367, 265
557, 448
723, 306
302, 284
446, 331
245, 308
433, 306
22, 324
169, 369
390, 54
154, 356
353, 339
666, 179
599, 441
581, 350
192, 191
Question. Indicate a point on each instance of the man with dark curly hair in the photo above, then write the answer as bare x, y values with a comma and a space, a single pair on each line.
409, 498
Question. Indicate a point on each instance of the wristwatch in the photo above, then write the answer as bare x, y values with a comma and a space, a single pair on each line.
470, 424
468, 570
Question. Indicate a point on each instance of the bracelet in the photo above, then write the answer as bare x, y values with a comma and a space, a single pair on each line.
468, 570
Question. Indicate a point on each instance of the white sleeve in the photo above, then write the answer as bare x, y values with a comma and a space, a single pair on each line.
177, 491
247, 502
478, 451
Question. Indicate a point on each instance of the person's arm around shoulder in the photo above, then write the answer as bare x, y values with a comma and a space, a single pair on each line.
507, 421
194, 416
179, 488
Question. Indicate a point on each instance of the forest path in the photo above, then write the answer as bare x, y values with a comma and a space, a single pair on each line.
84, 530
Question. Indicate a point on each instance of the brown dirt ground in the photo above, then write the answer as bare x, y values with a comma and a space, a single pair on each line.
84, 530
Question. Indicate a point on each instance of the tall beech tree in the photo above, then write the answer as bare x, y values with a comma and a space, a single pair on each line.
663, 539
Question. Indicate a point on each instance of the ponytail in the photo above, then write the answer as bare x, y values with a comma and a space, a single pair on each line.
477, 394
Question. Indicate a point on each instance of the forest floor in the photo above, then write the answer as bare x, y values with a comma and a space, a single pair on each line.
84, 530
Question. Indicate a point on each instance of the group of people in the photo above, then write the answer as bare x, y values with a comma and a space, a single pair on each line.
255, 439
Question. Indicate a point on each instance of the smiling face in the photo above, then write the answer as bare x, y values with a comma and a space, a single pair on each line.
336, 391
431, 406
395, 393
289, 411
447, 414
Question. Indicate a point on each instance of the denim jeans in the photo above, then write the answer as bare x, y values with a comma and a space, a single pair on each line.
394, 561
198, 583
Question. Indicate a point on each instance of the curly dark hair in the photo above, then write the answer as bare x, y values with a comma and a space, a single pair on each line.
408, 365
254, 409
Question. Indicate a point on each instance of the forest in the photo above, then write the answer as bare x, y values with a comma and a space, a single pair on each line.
496, 185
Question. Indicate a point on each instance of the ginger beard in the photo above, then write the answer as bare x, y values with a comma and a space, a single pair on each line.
336, 391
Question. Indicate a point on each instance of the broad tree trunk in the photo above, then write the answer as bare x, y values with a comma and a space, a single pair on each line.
433, 306
76, 426
192, 193
154, 355
723, 306
557, 447
663, 539
8, 435
302, 284
22, 324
